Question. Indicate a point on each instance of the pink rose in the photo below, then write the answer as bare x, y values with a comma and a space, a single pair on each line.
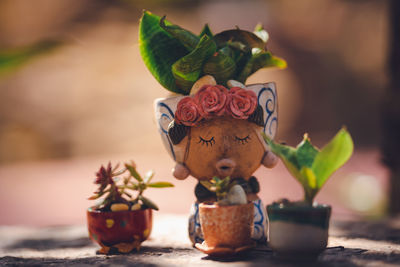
187, 112
241, 103
211, 100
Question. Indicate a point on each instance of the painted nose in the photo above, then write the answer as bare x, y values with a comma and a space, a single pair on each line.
225, 167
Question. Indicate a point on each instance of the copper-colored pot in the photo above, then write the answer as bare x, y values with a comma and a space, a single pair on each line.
122, 230
227, 226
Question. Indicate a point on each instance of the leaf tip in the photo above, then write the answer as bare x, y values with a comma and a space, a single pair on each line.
146, 13
283, 64
259, 27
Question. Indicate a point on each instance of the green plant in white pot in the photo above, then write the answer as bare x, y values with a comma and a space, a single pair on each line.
300, 229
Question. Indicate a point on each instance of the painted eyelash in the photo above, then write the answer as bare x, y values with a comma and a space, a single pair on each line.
204, 141
243, 140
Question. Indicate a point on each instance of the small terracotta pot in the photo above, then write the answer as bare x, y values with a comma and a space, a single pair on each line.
298, 232
227, 226
119, 231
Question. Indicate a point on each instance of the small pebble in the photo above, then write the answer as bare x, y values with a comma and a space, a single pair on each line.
237, 195
234, 83
205, 80
119, 207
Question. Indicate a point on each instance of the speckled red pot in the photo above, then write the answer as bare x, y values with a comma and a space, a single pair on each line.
121, 231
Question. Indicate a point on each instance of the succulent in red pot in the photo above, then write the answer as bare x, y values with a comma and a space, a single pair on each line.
121, 221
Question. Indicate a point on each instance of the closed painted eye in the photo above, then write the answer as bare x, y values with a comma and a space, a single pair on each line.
206, 142
243, 140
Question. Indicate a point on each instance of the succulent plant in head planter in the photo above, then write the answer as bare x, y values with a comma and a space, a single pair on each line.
121, 221
300, 229
177, 58
211, 125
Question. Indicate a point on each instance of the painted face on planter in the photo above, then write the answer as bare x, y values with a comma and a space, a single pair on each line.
222, 147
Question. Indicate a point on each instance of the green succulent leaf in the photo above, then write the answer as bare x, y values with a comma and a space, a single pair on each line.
159, 50
219, 186
272, 61
225, 183
306, 152
310, 166
206, 31
208, 185
246, 38
309, 177
187, 70
264, 59
288, 156
133, 172
239, 53
221, 66
148, 202
332, 156
133, 186
238, 47
160, 185
260, 59
187, 38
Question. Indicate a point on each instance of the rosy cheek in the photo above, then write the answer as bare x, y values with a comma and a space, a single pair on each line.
270, 159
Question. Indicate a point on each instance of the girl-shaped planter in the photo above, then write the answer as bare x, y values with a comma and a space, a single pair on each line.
217, 132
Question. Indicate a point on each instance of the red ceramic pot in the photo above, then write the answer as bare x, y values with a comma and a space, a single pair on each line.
121, 231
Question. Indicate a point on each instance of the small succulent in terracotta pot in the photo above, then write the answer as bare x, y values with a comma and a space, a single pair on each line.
300, 229
121, 222
227, 223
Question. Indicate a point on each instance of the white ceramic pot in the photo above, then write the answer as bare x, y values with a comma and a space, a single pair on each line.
298, 232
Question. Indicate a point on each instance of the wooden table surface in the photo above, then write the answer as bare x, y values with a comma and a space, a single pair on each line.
351, 243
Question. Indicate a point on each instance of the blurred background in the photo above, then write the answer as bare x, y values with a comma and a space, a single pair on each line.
75, 93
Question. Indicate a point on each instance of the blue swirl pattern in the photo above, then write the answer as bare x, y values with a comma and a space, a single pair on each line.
166, 116
268, 101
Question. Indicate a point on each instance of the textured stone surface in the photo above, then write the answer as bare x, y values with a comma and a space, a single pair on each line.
350, 244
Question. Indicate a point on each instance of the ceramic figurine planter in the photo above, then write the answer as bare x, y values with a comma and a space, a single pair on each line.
226, 229
121, 222
221, 146
212, 126
297, 232
119, 231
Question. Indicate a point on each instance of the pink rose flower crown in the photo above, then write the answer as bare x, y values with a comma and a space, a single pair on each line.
213, 101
